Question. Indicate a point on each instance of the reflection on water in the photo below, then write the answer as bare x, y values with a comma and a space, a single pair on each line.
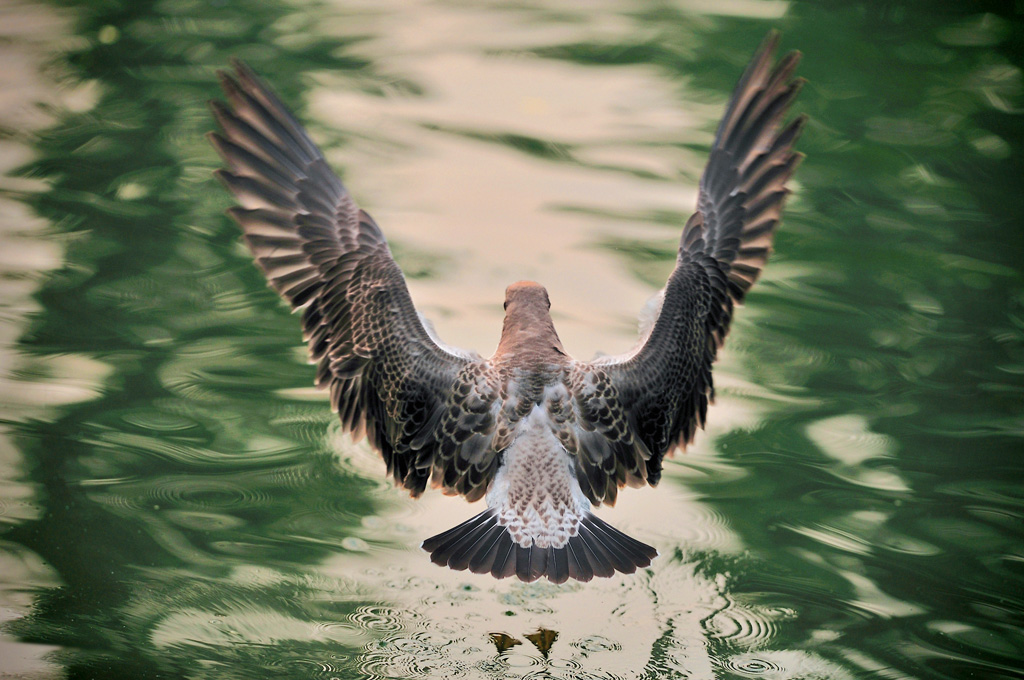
176, 501
356, 615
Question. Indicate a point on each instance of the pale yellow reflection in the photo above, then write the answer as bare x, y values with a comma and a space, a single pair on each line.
409, 618
28, 33
498, 212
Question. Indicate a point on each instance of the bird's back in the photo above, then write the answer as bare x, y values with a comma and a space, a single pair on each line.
538, 522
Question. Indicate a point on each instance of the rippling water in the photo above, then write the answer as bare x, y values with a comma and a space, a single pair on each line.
177, 501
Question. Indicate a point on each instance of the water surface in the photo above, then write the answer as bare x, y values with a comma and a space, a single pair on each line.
177, 501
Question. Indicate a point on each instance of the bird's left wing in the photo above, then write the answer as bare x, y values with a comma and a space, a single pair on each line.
427, 408
633, 410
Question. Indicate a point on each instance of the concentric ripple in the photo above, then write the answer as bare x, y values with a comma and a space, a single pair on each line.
753, 666
379, 618
204, 493
743, 626
597, 643
785, 665
409, 656
204, 503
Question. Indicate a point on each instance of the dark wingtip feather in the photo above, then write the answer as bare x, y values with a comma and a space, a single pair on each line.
228, 84
765, 50
753, 151
240, 66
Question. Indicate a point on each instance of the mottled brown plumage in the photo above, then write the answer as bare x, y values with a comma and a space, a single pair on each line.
542, 435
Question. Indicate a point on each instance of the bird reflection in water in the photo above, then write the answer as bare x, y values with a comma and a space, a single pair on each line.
542, 639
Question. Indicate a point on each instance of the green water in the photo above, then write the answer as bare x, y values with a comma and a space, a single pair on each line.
177, 501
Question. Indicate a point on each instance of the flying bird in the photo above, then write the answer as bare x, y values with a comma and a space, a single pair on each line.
542, 436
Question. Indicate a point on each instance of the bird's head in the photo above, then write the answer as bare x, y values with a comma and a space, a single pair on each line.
525, 296
529, 332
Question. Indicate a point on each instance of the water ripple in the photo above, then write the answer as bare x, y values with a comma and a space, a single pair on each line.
597, 643
200, 493
698, 526
849, 439
753, 666
307, 425
258, 450
203, 521
189, 501
379, 618
158, 421
785, 665
874, 425
993, 491
403, 656
212, 370
745, 626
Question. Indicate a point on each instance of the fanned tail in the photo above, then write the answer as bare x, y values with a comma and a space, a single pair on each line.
484, 546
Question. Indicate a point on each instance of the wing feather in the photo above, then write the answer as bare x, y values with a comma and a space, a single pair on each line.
429, 410
635, 409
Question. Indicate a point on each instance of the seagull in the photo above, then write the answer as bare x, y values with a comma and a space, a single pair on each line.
543, 437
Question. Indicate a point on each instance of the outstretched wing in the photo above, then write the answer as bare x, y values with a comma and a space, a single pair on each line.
426, 408
635, 409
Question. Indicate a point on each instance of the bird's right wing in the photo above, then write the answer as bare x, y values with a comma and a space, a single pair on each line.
427, 408
636, 408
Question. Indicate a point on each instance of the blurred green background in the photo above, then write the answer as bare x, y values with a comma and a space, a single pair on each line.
177, 501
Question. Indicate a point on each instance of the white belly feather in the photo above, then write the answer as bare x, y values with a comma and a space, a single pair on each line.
535, 491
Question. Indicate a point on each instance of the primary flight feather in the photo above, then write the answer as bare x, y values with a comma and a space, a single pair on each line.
542, 436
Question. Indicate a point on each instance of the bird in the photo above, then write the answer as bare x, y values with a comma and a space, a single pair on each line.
543, 437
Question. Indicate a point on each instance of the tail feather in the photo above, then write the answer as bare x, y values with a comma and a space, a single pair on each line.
446, 536
505, 561
485, 537
616, 559
454, 543
579, 566
601, 565
619, 543
531, 563
483, 561
484, 546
